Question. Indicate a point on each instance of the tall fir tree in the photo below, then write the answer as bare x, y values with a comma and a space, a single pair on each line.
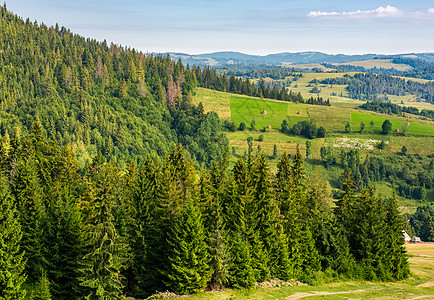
188, 270
12, 262
64, 244
106, 252
396, 254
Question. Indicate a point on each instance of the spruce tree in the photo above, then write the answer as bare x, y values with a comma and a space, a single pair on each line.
106, 250
144, 236
31, 211
12, 260
64, 245
210, 197
188, 271
396, 254
240, 273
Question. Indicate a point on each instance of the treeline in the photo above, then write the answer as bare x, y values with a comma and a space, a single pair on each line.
208, 78
391, 108
422, 222
99, 97
261, 72
351, 68
411, 179
308, 129
421, 68
107, 233
369, 86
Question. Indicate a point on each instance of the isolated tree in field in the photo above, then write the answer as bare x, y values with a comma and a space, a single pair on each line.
242, 126
386, 127
274, 151
362, 127
348, 128
253, 125
371, 126
308, 148
285, 126
381, 145
404, 150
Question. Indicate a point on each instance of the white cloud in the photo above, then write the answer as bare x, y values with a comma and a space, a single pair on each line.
380, 12
431, 11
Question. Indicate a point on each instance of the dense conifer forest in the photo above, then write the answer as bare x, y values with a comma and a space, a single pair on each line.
161, 226
113, 184
370, 86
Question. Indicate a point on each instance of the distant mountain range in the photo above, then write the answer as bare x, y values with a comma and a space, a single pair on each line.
217, 59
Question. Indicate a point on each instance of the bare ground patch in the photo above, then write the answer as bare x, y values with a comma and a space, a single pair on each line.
310, 294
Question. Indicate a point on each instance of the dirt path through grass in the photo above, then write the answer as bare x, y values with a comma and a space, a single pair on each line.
314, 293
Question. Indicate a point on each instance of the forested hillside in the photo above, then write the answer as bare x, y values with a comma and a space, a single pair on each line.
99, 199
164, 226
95, 96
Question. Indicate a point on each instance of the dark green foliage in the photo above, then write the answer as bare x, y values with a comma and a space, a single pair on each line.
274, 151
101, 230
386, 127
328, 155
391, 108
308, 149
43, 289
371, 86
348, 128
64, 245
101, 97
188, 271
106, 251
28, 194
12, 261
242, 126
422, 221
241, 273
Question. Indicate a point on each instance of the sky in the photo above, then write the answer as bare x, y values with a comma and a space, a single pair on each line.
256, 27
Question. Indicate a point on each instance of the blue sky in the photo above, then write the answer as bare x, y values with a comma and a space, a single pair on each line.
253, 27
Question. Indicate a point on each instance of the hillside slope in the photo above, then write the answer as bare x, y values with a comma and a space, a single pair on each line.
98, 97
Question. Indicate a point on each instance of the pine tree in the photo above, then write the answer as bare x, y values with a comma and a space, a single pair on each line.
240, 273
144, 237
188, 271
12, 260
212, 185
43, 288
106, 250
396, 254
31, 210
64, 245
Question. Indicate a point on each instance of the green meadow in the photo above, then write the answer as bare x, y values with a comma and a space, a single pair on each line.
414, 128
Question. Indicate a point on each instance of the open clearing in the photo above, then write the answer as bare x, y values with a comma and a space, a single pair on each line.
420, 285
378, 63
419, 128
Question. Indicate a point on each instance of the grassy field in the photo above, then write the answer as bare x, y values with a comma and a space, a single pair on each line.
338, 94
419, 128
420, 285
245, 110
378, 63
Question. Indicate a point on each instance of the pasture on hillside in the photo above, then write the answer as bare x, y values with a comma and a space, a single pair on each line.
415, 128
